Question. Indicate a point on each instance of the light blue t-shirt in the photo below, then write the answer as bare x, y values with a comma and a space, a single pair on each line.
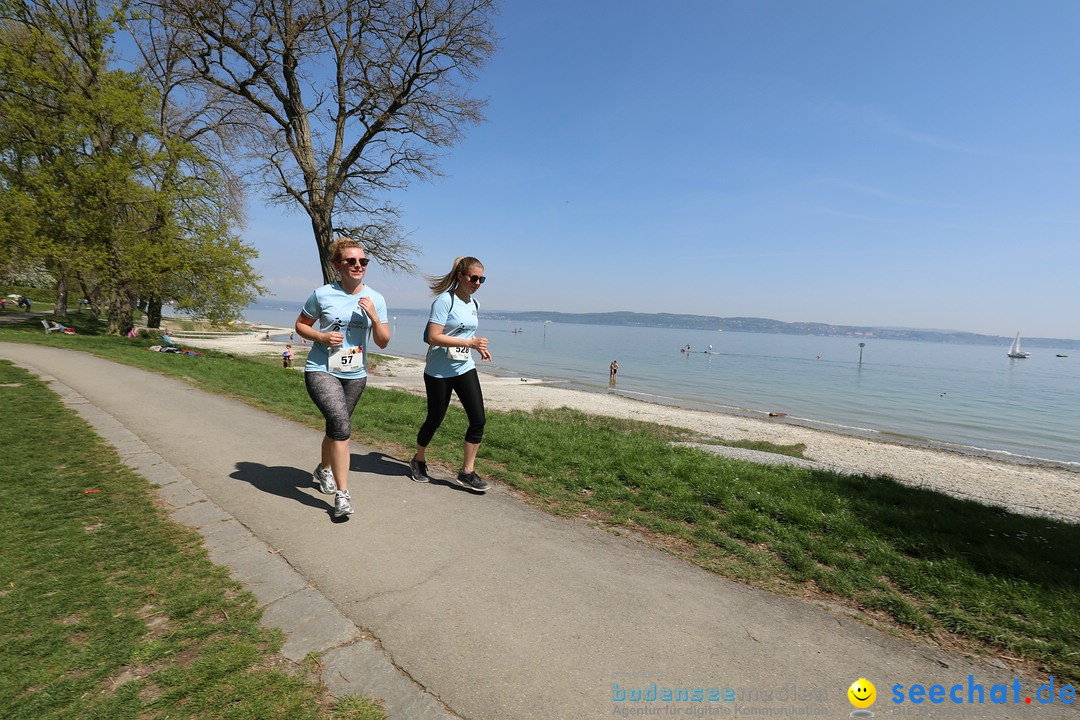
330, 305
459, 319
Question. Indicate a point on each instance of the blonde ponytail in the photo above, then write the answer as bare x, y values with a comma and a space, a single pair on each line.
441, 283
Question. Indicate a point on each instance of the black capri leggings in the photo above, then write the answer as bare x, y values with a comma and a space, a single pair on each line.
336, 399
467, 387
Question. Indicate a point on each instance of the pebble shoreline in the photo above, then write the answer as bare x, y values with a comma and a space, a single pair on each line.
1026, 488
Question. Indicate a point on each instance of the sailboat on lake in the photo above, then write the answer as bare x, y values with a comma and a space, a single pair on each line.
1015, 351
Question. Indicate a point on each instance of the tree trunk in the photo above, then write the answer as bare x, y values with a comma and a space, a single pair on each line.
60, 306
323, 227
121, 308
93, 295
153, 311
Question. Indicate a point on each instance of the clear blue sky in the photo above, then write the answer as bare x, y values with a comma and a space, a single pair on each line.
891, 163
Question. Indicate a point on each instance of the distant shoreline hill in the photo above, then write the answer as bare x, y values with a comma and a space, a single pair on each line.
765, 325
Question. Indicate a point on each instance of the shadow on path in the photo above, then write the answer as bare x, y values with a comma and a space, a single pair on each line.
389, 467
286, 482
294, 484
381, 464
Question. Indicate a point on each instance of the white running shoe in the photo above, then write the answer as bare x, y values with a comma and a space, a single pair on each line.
342, 503
324, 477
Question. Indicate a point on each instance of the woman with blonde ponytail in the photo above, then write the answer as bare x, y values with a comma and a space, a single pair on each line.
451, 336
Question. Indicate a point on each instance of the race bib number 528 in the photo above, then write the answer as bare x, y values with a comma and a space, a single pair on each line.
458, 354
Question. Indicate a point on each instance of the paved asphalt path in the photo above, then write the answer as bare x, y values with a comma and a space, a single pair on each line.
445, 603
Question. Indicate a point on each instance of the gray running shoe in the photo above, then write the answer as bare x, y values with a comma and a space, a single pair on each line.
472, 481
342, 503
418, 470
324, 477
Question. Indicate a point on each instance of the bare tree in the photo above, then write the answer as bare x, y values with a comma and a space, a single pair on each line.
192, 174
335, 102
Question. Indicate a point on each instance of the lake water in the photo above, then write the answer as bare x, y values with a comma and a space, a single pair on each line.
970, 398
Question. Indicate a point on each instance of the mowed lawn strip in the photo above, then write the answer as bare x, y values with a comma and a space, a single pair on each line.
111, 610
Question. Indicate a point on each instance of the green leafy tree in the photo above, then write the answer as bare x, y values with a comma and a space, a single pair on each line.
101, 188
73, 141
36, 142
195, 259
205, 267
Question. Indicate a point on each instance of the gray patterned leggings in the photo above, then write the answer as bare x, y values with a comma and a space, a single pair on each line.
336, 399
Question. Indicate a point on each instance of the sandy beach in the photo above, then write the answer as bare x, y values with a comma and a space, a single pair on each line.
1025, 488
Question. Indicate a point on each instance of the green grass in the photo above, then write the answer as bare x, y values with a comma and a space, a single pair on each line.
42, 300
912, 560
109, 609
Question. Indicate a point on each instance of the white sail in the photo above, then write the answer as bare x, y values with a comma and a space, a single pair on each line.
1015, 351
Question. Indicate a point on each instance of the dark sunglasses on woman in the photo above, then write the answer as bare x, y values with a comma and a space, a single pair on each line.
353, 261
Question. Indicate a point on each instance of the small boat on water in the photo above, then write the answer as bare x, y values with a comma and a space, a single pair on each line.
1015, 351
1060, 355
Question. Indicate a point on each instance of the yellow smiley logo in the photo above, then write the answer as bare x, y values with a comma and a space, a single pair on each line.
862, 693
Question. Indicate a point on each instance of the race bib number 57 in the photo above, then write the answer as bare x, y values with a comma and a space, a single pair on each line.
346, 360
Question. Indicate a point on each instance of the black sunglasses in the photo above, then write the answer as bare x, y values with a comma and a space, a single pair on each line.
476, 278
352, 261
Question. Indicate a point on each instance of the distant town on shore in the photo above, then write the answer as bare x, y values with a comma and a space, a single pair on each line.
765, 325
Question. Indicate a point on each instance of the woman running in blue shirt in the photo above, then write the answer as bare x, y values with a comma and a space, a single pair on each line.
451, 335
335, 374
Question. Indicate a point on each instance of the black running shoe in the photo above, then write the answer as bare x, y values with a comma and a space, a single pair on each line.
472, 481
418, 470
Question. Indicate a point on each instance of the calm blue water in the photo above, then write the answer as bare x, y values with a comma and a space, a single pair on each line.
968, 397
